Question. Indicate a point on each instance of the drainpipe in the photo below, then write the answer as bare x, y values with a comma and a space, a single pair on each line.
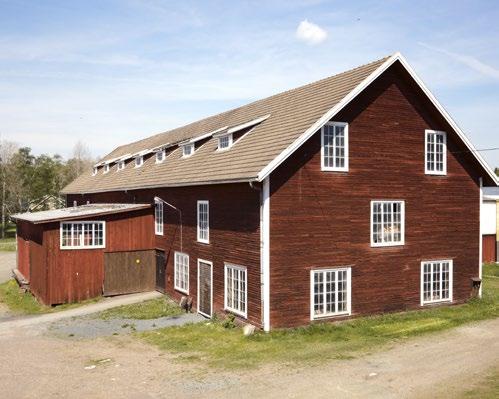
497, 231
480, 248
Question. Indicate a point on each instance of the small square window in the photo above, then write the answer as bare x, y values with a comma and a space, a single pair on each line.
160, 156
106, 168
121, 165
139, 161
225, 142
187, 150
94, 172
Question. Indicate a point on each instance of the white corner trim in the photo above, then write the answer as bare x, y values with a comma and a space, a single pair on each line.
265, 252
354, 93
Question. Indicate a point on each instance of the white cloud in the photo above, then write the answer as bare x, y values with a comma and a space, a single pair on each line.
310, 33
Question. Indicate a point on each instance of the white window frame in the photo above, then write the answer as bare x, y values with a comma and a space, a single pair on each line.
239, 312
230, 142
348, 311
451, 281
139, 161
402, 223
175, 266
82, 246
107, 168
159, 218
121, 166
95, 171
184, 148
346, 148
444, 155
163, 156
199, 231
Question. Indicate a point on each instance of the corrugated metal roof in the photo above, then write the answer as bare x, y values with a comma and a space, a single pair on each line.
291, 114
77, 212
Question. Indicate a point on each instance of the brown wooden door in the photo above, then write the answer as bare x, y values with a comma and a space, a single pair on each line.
489, 248
205, 288
160, 271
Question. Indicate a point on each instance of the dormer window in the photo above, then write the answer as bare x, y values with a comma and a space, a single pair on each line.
106, 168
224, 142
121, 165
95, 171
160, 156
187, 150
139, 161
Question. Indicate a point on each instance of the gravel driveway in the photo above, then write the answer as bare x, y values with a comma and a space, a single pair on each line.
7, 263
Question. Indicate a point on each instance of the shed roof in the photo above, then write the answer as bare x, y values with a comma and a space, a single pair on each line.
77, 212
286, 121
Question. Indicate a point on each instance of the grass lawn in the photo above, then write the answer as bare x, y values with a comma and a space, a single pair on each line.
152, 309
7, 244
217, 346
24, 303
491, 270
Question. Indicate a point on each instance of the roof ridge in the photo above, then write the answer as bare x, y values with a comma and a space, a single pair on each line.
220, 114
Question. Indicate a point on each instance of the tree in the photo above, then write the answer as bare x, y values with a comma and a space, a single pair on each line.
497, 171
7, 152
80, 161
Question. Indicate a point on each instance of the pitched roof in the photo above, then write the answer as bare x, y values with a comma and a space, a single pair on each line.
77, 212
291, 118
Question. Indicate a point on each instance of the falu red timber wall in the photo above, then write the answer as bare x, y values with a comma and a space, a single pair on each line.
71, 275
234, 216
321, 219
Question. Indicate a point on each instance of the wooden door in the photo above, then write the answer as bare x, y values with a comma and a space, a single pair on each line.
160, 271
205, 288
489, 248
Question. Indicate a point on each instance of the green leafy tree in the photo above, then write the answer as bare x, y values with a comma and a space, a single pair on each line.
497, 171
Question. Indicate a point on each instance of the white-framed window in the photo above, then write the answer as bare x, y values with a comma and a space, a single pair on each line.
435, 152
187, 150
181, 272
77, 235
106, 168
236, 289
158, 218
204, 221
139, 161
387, 223
95, 171
436, 281
75, 203
224, 142
121, 165
160, 156
330, 292
334, 147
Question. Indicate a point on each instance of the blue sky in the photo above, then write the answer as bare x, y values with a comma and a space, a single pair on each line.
109, 72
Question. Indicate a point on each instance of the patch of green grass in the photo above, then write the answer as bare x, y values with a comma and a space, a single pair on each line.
152, 309
7, 244
222, 347
491, 270
20, 302
487, 388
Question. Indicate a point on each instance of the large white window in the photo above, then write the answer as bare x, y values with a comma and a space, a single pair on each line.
77, 235
334, 148
436, 281
387, 223
182, 272
158, 218
203, 222
236, 289
435, 152
330, 292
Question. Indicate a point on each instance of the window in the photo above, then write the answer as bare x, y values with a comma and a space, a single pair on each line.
334, 148
236, 289
330, 292
160, 156
203, 222
436, 281
94, 172
387, 223
435, 153
106, 168
121, 165
187, 150
76, 235
182, 272
224, 142
139, 161
75, 203
158, 218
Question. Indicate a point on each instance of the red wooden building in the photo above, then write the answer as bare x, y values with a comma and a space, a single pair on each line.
356, 194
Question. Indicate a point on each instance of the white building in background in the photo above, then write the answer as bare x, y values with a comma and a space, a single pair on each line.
489, 219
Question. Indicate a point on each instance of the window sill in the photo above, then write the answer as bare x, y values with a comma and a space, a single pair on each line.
237, 313
331, 316
181, 291
439, 302
398, 244
203, 242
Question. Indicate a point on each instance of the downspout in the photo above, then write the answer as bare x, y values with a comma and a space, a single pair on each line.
265, 252
480, 250
497, 231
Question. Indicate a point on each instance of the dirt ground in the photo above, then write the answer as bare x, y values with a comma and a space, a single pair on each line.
7, 263
35, 364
